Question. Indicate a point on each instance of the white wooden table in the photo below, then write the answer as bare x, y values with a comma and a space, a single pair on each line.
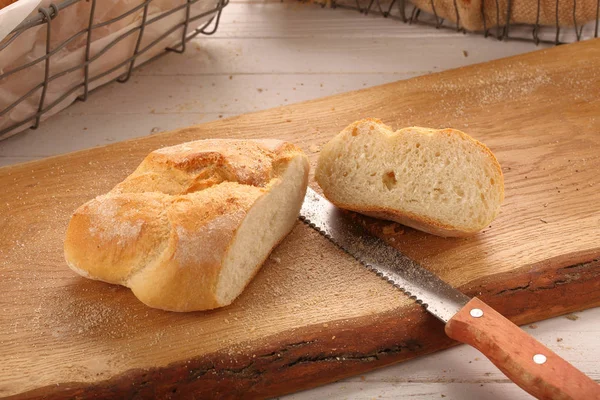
268, 54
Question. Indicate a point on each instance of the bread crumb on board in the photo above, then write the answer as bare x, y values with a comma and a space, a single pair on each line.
572, 317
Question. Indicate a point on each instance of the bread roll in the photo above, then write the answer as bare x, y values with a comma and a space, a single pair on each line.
193, 224
439, 181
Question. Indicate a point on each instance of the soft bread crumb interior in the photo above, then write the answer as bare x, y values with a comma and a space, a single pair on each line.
437, 175
269, 220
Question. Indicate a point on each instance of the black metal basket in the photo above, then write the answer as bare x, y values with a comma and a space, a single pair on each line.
403, 11
46, 15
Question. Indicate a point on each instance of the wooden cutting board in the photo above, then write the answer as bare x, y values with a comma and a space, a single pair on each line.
313, 314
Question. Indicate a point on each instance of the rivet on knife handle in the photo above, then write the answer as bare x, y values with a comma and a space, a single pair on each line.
527, 362
524, 360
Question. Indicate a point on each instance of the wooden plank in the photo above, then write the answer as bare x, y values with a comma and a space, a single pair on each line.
304, 320
220, 93
329, 55
417, 390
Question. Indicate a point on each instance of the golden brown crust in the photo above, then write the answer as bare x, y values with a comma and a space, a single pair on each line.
164, 230
202, 226
111, 236
421, 223
194, 166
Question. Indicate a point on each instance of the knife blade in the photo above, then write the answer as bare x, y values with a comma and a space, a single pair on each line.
523, 359
438, 297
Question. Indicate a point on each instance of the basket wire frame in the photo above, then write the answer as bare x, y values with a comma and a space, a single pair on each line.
47, 14
501, 31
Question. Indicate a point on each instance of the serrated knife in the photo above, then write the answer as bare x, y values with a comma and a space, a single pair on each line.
524, 360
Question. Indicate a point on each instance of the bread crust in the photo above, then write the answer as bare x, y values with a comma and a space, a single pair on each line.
420, 222
165, 229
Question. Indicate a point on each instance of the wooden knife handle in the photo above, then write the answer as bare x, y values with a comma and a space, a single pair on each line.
527, 362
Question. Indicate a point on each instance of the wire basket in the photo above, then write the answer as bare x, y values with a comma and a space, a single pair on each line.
145, 49
553, 23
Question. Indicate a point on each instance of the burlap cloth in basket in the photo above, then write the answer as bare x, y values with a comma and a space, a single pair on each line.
71, 53
471, 13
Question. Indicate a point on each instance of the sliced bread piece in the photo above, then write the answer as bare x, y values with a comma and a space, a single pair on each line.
442, 182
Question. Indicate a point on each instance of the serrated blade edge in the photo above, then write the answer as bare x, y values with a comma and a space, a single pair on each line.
437, 296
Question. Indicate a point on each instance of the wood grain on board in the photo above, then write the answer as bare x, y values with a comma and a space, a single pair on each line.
313, 314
